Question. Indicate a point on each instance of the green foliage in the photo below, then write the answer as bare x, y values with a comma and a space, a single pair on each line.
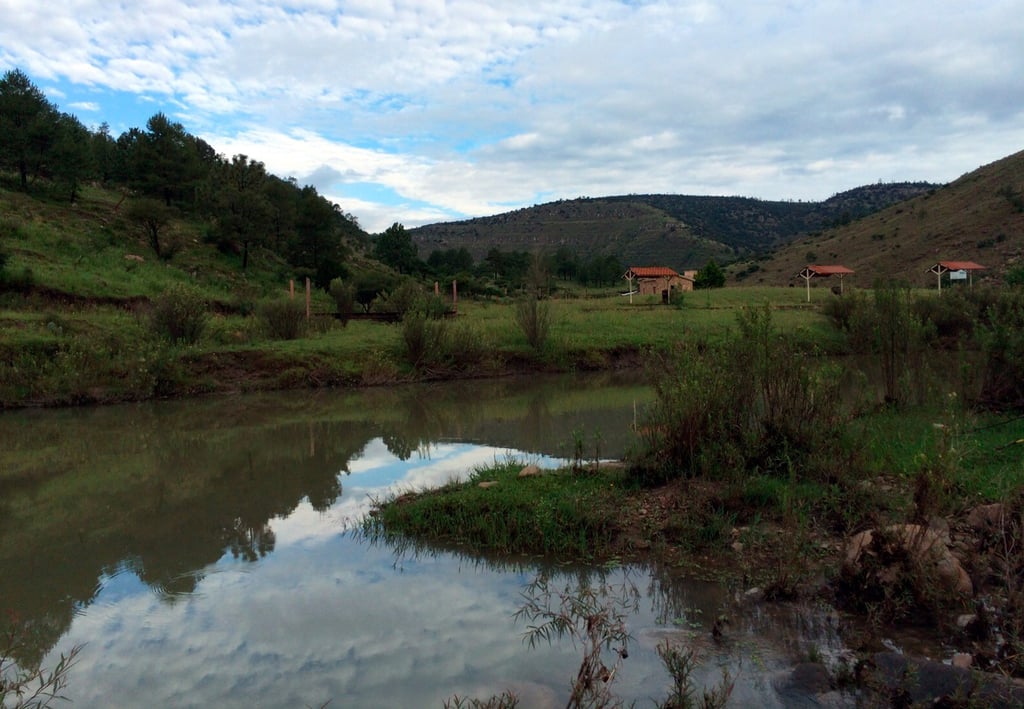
1015, 276
28, 127
425, 339
711, 276
153, 218
752, 403
282, 318
179, 315
344, 295
545, 514
1002, 340
681, 663
402, 299
395, 248
533, 316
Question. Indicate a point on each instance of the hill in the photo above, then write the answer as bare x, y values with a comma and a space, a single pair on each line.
681, 231
979, 217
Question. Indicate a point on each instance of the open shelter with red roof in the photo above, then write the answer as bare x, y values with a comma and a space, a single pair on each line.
951, 267
815, 271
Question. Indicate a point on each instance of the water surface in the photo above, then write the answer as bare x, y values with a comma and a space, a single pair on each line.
201, 552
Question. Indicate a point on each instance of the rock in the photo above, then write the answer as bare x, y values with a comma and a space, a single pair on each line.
986, 518
530, 471
487, 483
921, 543
134, 257
962, 660
737, 547
753, 595
962, 621
927, 683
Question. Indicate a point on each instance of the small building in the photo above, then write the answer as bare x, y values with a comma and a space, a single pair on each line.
657, 280
815, 271
957, 270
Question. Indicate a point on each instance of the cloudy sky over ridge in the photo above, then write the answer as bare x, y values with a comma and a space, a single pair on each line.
436, 110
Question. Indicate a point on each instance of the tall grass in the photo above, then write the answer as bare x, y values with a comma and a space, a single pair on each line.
752, 403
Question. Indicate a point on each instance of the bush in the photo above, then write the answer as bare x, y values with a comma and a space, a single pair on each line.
424, 339
282, 318
179, 314
402, 299
744, 405
344, 295
534, 319
1002, 342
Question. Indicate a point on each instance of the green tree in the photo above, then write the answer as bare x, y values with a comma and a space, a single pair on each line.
104, 153
163, 161
711, 276
71, 156
153, 216
395, 248
239, 204
28, 126
318, 246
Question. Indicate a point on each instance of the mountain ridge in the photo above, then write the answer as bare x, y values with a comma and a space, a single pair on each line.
681, 231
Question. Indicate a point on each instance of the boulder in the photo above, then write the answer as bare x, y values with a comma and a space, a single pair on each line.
986, 518
919, 543
487, 483
530, 471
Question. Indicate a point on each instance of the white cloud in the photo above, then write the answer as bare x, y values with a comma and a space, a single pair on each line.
467, 107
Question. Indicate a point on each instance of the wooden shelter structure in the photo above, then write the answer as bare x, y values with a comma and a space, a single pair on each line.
657, 280
814, 271
952, 267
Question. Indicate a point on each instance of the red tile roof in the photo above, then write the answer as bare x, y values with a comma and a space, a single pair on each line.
651, 272
829, 270
961, 265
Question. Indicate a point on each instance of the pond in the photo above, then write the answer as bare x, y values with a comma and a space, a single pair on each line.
202, 553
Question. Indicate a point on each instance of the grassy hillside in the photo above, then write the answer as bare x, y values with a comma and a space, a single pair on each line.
680, 231
979, 217
634, 232
92, 252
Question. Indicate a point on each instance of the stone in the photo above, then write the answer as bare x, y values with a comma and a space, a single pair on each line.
986, 518
530, 471
914, 540
963, 660
487, 483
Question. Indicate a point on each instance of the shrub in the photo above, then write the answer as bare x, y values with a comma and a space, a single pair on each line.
179, 314
344, 295
424, 339
534, 319
402, 299
282, 318
1002, 342
744, 405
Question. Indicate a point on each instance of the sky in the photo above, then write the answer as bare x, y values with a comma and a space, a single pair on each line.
439, 110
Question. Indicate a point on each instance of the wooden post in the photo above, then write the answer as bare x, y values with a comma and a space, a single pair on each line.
437, 289
307, 299
291, 289
455, 297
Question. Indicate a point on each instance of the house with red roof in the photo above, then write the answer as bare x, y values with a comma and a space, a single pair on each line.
658, 280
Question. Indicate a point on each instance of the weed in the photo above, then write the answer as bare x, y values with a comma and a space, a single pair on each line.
282, 318
533, 316
30, 687
593, 617
681, 664
179, 315
505, 700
